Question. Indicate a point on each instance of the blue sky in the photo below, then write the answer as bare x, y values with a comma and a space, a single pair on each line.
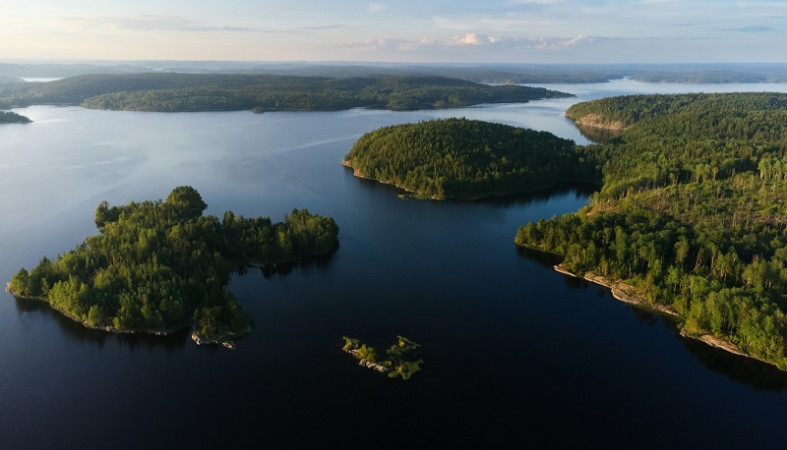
516, 31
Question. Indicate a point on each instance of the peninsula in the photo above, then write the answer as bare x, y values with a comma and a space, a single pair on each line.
467, 159
690, 217
12, 117
161, 266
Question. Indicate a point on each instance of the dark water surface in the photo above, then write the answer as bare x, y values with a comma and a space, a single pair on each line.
516, 355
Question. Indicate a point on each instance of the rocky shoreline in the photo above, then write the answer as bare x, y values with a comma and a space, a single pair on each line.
413, 194
596, 121
202, 340
357, 173
628, 294
366, 363
623, 292
199, 340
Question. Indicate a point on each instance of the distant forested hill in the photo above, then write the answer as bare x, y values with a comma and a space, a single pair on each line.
12, 117
224, 92
460, 158
692, 212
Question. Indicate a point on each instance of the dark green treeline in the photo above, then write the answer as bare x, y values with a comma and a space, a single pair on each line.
461, 158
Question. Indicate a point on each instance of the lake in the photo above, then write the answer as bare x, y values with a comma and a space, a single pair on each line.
515, 354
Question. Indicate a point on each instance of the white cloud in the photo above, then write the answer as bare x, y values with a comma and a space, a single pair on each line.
468, 39
557, 43
376, 7
474, 40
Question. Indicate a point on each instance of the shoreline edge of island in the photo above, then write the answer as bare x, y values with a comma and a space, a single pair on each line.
626, 293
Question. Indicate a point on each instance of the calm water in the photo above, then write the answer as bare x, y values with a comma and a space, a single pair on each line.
516, 355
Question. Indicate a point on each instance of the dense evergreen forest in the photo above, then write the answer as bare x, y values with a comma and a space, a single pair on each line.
460, 158
692, 212
161, 266
12, 117
173, 92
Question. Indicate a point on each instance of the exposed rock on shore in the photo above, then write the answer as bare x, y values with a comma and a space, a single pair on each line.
628, 294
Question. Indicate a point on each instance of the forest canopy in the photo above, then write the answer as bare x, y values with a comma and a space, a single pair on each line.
161, 266
692, 212
461, 158
174, 92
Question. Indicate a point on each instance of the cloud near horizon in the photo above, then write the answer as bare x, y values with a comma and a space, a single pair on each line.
474, 40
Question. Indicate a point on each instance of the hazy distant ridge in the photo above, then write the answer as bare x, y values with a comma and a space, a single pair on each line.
481, 73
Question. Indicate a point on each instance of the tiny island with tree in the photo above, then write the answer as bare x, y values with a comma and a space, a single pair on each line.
467, 159
161, 266
395, 362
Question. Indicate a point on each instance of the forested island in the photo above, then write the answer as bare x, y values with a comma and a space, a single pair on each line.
467, 159
161, 266
691, 215
179, 92
12, 117
394, 362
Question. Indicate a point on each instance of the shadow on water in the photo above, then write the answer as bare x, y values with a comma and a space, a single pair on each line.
598, 135
579, 188
751, 372
73, 330
760, 376
317, 263
542, 258
645, 317
171, 341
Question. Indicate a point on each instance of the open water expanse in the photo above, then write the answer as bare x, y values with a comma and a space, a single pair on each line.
515, 354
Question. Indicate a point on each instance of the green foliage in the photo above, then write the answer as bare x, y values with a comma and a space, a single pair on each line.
185, 202
467, 158
162, 265
691, 211
395, 363
169, 92
350, 343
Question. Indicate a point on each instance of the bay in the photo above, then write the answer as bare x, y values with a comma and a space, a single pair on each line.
516, 355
